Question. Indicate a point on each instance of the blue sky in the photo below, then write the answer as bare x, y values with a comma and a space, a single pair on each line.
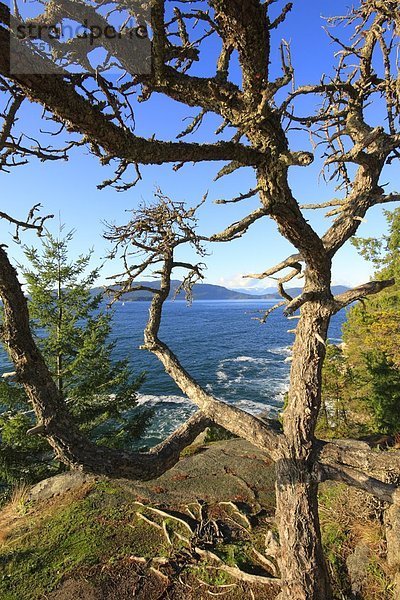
68, 189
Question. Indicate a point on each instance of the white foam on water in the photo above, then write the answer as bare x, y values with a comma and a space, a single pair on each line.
251, 407
152, 400
221, 375
248, 359
281, 350
267, 376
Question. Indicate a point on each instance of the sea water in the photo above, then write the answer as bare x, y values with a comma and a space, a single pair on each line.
221, 343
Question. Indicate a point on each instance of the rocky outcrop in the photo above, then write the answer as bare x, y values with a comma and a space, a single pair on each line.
231, 470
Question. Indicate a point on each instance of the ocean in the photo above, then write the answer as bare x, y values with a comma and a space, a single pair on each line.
220, 343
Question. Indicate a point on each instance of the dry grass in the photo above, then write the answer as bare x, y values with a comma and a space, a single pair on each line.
14, 513
14, 510
19, 496
349, 518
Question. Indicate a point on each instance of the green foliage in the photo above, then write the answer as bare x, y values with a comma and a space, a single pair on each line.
378, 320
338, 402
72, 328
372, 333
365, 374
215, 433
384, 252
210, 576
22, 457
384, 397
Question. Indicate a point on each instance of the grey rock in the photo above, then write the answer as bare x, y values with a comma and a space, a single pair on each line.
230, 470
60, 484
357, 565
222, 471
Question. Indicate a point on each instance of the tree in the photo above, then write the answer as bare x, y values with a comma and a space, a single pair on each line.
22, 457
337, 393
372, 333
261, 111
76, 346
384, 399
72, 329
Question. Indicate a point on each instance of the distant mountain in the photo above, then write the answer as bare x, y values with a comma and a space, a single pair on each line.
336, 289
207, 291
201, 291
257, 291
272, 292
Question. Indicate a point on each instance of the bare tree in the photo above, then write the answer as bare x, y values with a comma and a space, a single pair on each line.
261, 112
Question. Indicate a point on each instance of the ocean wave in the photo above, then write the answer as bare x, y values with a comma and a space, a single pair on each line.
239, 359
254, 408
152, 400
221, 375
271, 381
248, 359
166, 422
281, 350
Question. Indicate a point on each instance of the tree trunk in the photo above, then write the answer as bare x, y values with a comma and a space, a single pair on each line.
303, 568
392, 526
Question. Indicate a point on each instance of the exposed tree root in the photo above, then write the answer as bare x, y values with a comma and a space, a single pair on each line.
235, 571
149, 521
238, 512
205, 531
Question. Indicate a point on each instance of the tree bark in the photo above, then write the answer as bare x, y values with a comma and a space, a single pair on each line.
392, 526
304, 574
302, 564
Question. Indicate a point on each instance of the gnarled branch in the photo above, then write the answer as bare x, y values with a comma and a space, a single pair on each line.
361, 292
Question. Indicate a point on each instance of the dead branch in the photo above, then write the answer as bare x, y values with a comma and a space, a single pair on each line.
268, 312
293, 261
361, 292
359, 455
32, 221
238, 229
384, 491
158, 230
239, 198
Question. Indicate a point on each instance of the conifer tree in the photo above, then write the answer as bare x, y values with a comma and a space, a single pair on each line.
72, 327
337, 397
372, 333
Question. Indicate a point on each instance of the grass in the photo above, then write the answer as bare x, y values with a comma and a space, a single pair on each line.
40, 550
210, 576
348, 521
16, 507
98, 526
